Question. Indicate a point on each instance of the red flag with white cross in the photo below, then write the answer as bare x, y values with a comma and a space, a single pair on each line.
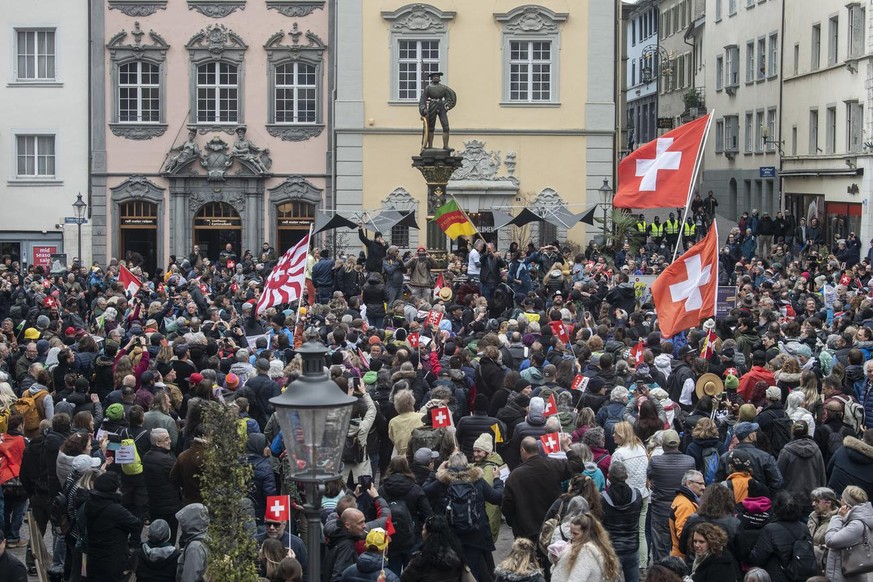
685, 292
440, 417
551, 443
551, 406
413, 339
636, 352
278, 508
658, 174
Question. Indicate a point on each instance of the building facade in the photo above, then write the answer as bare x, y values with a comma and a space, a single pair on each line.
743, 76
209, 125
643, 72
534, 122
680, 97
827, 148
43, 129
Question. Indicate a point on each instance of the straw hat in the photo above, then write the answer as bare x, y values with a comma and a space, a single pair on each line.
445, 294
709, 385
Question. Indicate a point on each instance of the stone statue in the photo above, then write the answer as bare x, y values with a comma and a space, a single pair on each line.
187, 151
216, 159
436, 100
248, 152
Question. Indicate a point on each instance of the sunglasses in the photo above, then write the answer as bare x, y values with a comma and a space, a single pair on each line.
273, 525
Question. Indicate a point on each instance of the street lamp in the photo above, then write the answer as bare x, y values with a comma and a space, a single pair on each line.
606, 200
79, 212
314, 415
662, 66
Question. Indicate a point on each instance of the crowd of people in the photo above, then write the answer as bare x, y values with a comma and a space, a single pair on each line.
733, 451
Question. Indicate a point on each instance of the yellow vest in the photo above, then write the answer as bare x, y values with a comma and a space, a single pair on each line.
689, 229
657, 230
641, 227
671, 227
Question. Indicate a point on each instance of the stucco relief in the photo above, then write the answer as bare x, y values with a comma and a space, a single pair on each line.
295, 188
216, 8
295, 8
400, 199
418, 18
216, 40
295, 133
531, 19
138, 7
481, 164
235, 199
138, 187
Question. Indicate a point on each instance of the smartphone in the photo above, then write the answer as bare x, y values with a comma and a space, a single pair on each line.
365, 481
356, 382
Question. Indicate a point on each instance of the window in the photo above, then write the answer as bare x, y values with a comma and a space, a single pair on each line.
35, 155
719, 135
747, 133
295, 93
295, 85
813, 132
417, 59
139, 92
831, 130
759, 131
771, 129
400, 236
718, 10
796, 58
833, 40
683, 16
857, 21
750, 61
773, 67
633, 34
762, 58
815, 61
794, 141
733, 66
719, 73
676, 22
732, 7
854, 126
731, 133
35, 52
667, 29
530, 71
217, 93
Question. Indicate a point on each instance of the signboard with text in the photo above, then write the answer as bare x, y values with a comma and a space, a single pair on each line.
42, 255
726, 300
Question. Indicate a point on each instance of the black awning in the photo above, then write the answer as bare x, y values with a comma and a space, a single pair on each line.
324, 222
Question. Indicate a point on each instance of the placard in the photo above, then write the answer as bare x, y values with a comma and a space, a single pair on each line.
580, 382
725, 301
125, 455
433, 318
42, 256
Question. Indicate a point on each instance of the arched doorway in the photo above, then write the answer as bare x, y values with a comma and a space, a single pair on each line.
215, 225
293, 220
138, 222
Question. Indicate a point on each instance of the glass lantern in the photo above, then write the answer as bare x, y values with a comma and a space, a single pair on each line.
314, 415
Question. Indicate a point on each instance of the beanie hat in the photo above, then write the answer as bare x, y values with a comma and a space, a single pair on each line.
42, 322
484, 443
231, 381
773, 393
522, 400
748, 412
370, 377
731, 382
377, 539
115, 412
108, 482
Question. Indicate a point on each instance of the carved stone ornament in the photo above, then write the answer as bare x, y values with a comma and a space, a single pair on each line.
138, 7
531, 19
296, 188
137, 132
310, 50
204, 129
216, 39
216, 8
295, 132
400, 199
139, 188
156, 50
547, 199
235, 199
295, 8
216, 159
414, 18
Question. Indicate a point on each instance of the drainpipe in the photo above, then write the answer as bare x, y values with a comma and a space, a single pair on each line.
779, 106
330, 202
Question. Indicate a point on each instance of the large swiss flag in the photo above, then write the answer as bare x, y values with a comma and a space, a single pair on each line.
685, 292
659, 173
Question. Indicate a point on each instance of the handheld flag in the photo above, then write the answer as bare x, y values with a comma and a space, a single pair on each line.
551, 407
286, 281
708, 345
129, 280
637, 352
560, 331
580, 382
433, 318
551, 443
438, 285
413, 339
278, 508
440, 417
498, 436
658, 174
453, 221
685, 292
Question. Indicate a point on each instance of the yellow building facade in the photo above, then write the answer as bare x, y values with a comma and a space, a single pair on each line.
534, 120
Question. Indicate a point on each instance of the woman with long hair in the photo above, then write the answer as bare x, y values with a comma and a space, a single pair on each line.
520, 565
584, 420
272, 552
794, 408
713, 562
629, 450
589, 557
705, 436
788, 377
716, 506
441, 557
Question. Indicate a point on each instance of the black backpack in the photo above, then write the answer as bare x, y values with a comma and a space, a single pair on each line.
353, 451
802, 563
779, 434
404, 526
464, 507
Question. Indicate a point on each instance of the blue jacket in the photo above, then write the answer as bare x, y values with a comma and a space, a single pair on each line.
867, 402
322, 273
367, 568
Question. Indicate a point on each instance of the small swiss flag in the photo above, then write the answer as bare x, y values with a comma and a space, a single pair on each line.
413, 339
580, 382
551, 443
231, 264
440, 417
658, 174
129, 280
560, 330
845, 280
551, 406
637, 352
278, 508
433, 318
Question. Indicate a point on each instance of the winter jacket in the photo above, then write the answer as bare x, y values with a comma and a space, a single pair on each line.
534, 425
731, 526
323, 274
621, 514
510, 415
259, 390
764, 467
164, 496
852, 465
157, 563
818, 527
844, 532
110, 528
489, 377
490, 472
375, 252
802, 467
752, 377
374, 296
588, 566
774, 547
193, 521
263, 480
402, 489
717, 569
754, 513
339, 554
501, 575
445, 478
400, 430
636, 461
470, 428
360, 429
187, 470
157, 419
697, 446
450, 567
367, 568
683, 506
419, 272
665, 474
11, 453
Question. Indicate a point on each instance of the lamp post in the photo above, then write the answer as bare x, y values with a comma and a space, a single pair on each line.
79, 212
314, 415
606, 200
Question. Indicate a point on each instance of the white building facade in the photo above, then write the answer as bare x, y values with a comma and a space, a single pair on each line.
643, 72
43, 129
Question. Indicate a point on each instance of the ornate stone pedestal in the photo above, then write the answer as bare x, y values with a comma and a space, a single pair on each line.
437, 166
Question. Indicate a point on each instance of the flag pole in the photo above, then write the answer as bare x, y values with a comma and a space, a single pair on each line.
691, 184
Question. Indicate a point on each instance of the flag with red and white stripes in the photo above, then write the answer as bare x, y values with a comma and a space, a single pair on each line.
286, 282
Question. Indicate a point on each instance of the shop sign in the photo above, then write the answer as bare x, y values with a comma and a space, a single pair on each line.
218, 222
295, 222
139, 222
42, 255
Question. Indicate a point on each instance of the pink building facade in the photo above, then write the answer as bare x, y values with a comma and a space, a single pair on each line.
210, 125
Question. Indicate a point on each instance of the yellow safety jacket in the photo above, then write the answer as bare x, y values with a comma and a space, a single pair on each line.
656, 230
671, 227
642, 227
689, 229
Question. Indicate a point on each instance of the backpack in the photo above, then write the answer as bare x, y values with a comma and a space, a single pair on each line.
779, 434
425, 436
404, 526
609, 428
464, 507
353, 451
548, 530
134, 468
853, 413
710, 464
802, 563
27, 406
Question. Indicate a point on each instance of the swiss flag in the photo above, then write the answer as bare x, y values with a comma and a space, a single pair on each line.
413, 339
684, 293
278, 508
845, 280
551, 443
659, 173
551, 406
129, 280
708, 345
637, 352
440, 417
560, 330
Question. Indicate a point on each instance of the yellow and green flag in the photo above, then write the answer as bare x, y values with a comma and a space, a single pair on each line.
453, 221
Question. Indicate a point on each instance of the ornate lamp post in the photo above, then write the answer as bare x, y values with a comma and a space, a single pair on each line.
605, 200
79, 212
314, 415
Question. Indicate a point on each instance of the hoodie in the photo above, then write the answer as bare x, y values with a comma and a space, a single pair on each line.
157, 558
193, 522
533, 425
622, 505
663, 363
367, 568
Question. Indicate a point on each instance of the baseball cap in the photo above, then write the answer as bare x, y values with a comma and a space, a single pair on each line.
195, 378
670, 438
377, 539
744, 429
424, 456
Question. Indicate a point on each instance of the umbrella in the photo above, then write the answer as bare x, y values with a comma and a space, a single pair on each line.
501, 219
390, 218
588, 216
326, 222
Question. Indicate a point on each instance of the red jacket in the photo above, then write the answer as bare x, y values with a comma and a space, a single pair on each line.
752, 377
11, 452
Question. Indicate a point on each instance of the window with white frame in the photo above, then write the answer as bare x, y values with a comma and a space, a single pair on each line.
530, 57
854, 126
217, 57
759, 131
418, 41
833, 40
750, 61
530, 71
857, 21
139, 92
217, 93
773, 64
815, 47
35, 55
831, 130
732, 65
731, 133
732, 7
747, 133
35, 156
771, 129
762, 59
813, 132
719, 73
718, 10
416, 60
719, 135
295, 93
295, 73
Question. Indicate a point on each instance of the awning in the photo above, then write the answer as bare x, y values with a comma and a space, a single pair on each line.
558, 216
323, 221
387, 219
501, 219
588, 215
